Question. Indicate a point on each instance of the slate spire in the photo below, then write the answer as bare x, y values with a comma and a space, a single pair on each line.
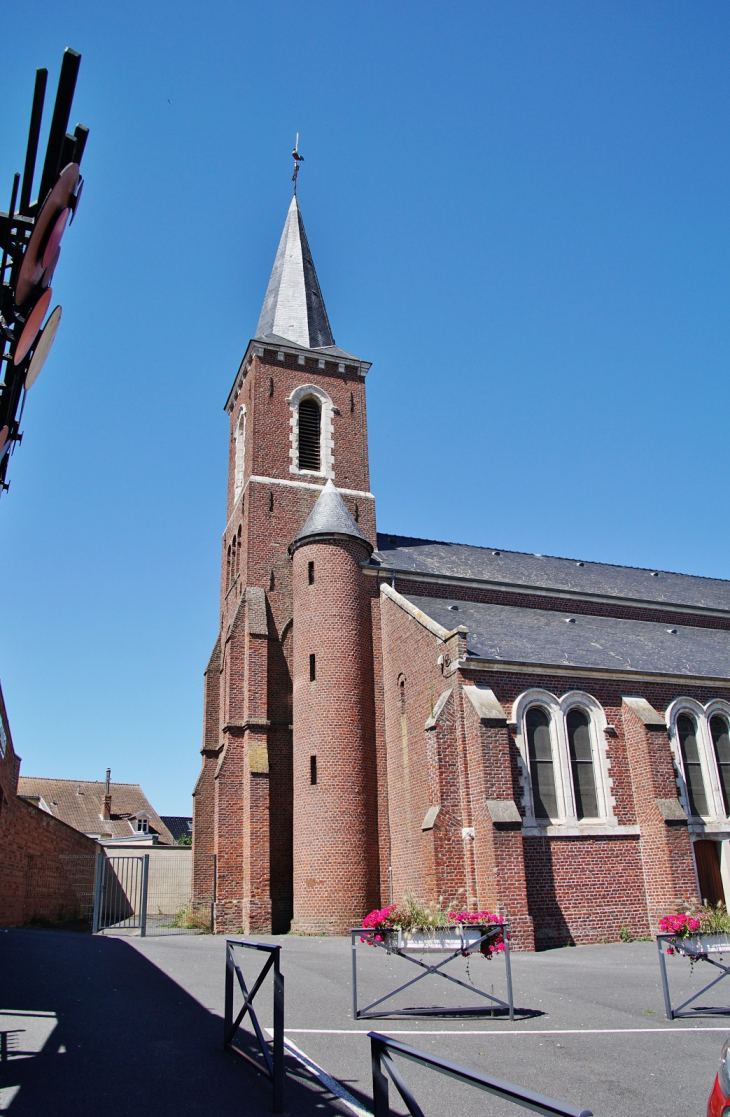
330, 516
293, 306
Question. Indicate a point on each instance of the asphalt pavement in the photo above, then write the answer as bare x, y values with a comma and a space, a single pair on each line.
118, 1025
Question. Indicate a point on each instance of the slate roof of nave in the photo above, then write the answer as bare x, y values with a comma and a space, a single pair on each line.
545, 573
545, 638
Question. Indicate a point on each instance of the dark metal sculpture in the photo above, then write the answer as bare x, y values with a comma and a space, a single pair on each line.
30, 243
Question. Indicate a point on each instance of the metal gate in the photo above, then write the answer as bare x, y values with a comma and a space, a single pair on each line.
120, 893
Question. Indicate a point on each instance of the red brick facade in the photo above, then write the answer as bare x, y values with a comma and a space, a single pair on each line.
46, 867
352, 753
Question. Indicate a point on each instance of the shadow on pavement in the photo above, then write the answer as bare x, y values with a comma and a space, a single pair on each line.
91, 1026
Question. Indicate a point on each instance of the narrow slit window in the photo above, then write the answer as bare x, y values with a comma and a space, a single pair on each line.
310, 573
312, 668
687, 733
581, 763
313, 769
310, 422
721, 741
540, 752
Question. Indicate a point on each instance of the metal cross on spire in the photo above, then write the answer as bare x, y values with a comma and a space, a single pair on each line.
297, 160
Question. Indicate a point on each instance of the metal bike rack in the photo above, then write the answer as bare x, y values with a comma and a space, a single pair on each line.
272, 1066
369, 936
381, 1049
677, 1013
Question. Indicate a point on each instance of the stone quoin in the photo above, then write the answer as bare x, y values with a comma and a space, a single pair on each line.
548, 737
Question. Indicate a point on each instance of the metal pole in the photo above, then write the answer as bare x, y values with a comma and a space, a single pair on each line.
278, 1035
145, 880
381, 1108
353, 945
508, 966
228, 1009
98, 891
665, 983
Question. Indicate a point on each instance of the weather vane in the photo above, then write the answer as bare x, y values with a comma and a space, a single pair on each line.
297, 160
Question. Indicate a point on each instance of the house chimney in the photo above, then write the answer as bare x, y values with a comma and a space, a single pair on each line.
106, 803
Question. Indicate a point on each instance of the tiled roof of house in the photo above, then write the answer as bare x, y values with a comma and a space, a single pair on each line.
78, 803
505, 633
544, 573
179, 825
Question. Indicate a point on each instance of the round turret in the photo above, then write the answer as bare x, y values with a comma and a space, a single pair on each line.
334, 777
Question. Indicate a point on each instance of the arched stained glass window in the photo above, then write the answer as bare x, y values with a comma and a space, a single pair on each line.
310, 421
581, 763
540, 752
687, 733
721, 741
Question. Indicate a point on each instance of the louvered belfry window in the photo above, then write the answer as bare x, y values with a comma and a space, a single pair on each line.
310, 419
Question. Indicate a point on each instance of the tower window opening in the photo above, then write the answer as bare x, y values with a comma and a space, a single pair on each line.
313, 769
312, 668
310, 422
228, 568
310, 573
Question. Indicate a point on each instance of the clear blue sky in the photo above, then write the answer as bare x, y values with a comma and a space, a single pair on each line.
518, 212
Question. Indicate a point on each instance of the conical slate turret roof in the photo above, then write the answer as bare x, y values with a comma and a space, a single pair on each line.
330, 516
293, 306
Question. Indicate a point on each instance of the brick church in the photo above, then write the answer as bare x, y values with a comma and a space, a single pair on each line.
544, 736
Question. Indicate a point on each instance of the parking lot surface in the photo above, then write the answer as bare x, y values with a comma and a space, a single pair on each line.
138, 1015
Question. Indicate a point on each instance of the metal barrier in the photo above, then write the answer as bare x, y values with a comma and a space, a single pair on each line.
370, 937
273, 1065
677, 1013
381, 1048
120, 893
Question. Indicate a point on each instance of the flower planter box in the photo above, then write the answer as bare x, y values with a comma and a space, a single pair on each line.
703, 944
441, 940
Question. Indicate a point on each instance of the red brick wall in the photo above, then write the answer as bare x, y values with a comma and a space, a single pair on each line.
335, 821
46, 867
583, 890
423, 767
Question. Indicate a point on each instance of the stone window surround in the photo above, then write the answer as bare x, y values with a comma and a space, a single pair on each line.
701, 715
326, 445
239, 464
557, 710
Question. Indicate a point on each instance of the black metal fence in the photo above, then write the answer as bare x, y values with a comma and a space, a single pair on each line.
268, 1062
120, 893
382, 1050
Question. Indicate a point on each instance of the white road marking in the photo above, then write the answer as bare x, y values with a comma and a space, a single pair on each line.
532, 1032
327, 1080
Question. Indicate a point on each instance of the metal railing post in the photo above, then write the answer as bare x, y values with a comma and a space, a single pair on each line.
228, 1010
508, 968
353, 947
383, 1048
278, 1038
143, 909
272, 1066
381, 1105
98, 892
665, 982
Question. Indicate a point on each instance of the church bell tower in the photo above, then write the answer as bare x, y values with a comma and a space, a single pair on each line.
287, 780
